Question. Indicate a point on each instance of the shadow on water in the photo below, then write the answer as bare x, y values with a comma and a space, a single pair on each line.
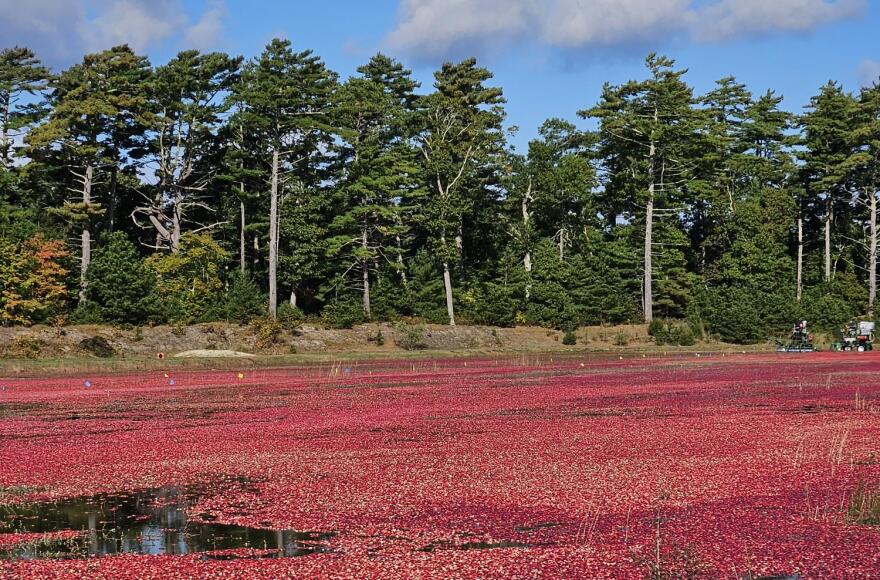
148, 522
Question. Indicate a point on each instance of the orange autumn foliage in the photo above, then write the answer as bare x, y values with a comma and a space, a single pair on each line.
32, 276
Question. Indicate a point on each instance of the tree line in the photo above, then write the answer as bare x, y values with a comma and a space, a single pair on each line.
218, 188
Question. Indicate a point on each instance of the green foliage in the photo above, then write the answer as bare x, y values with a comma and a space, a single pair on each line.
189, 280
243, 300
410, 336
551, 306
491, 305
121, 286
732, 315
384, 189
289, 317
828, 311
86, 313
569, 338
343, 313
671, 332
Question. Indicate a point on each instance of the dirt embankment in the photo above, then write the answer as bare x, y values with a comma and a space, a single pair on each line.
47, 342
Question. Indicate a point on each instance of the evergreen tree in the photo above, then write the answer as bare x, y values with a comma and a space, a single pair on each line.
460, 137
120, 286
827, 146
22, 80
283, 99
648, 132
187, 101
375, 164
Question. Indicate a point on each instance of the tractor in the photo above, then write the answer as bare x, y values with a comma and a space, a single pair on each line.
800, 341
858, 336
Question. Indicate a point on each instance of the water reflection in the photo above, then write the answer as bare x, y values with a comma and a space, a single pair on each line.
151, 522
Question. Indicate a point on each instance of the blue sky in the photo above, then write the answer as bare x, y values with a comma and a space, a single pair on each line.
550, 56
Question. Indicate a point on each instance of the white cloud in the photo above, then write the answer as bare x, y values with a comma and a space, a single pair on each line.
437, 26
868, 72
734, 18
135, 22
207, 32
574, 23
61, 31
434, 28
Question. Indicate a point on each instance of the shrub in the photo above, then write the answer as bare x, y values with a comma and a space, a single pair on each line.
551, 306
732, 315
343, 314
120, 285
672, 333
494, 305
410, 337
25, 347
243, 301
569, 338
267, 331
86, 313
189, 279
378, 339
290, 317
621, 339
98, 346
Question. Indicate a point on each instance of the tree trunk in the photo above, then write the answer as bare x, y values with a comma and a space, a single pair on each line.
400, 265
256, 252
175, 221
527, 259
447, 284
828, 221
293, 298
366, 269
5, 139
649, 239
800, 257
872, 255
273, 239
86, 247
242, 241
111, 212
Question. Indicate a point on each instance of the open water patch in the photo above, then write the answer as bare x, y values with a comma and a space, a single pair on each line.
150, 522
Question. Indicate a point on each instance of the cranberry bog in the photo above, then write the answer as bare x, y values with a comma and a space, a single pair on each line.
743, 466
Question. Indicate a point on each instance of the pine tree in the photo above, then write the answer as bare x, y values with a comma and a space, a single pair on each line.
460, 135
284, 98
375, 163
95, 124
22, 80
187, 98
827, 146
120, 285
647, 133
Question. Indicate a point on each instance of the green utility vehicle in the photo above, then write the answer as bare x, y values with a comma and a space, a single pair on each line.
858, 336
